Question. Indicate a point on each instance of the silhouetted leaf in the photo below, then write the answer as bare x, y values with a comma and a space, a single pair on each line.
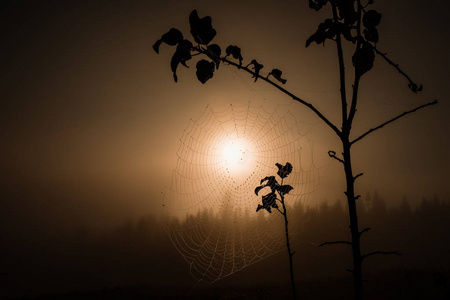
317, 4
271, 182
205, 70
284, 189
268, 201
181, 55
371, 19
277, 75
173, 37
234, 51
201, 29
371, 35
256, 66
259, 188
326, 30
347, 11
214, 53
284, 171
363, 58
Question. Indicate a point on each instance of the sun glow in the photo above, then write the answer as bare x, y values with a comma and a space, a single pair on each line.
235, 153
238, 157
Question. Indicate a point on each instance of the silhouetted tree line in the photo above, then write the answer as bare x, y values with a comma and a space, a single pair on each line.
140, 252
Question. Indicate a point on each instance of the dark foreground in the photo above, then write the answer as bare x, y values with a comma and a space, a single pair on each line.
412, 284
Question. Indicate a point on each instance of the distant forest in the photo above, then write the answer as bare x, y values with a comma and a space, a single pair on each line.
141, 253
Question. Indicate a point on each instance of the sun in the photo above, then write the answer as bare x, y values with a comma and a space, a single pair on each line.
236, 152
238, 156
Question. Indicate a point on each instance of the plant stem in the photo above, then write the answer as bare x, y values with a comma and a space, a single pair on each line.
288, 245
351, 200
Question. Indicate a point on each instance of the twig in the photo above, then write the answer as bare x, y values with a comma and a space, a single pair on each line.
332, 154
334, 243
358, 175
280, 211
393, 119
364, 230
380, 253
396, 66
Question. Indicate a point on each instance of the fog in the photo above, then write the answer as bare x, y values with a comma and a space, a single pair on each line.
138, 257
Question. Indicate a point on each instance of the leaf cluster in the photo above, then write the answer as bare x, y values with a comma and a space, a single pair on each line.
347, 23
269, 200
203, 33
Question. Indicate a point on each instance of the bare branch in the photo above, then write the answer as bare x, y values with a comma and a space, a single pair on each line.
358, 175
412, 84
334, 243
332, 154
380, 253
393, 119
307, 104
364, 230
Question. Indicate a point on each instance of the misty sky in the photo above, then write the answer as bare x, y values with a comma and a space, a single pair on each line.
91, 118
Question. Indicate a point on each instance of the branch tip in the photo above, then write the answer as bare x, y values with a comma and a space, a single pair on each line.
394, 119
334, 243
380, 253
358, 175
364, 230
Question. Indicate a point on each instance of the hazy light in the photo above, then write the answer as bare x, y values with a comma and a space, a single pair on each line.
236, 152
238, 157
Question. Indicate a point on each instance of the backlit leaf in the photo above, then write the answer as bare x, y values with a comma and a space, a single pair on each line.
201, 29
326, 30
235, 52
363, 59
271, 182
284, 171
256, 66
259, 188
181, 55
277, 75
205, 70
371, 19
172, 38
285, 189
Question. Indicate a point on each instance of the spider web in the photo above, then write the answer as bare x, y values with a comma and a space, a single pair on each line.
215, 226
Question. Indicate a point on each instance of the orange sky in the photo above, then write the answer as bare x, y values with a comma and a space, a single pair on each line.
91, 118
